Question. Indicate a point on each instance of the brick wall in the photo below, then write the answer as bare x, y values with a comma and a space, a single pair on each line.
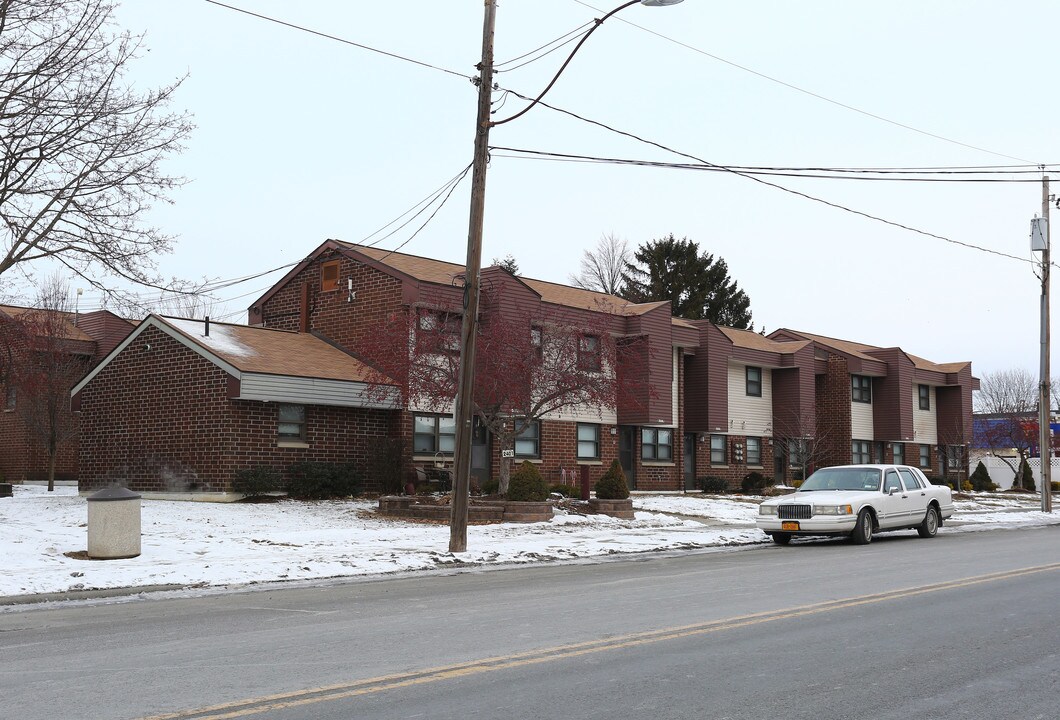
158, 418
833, 414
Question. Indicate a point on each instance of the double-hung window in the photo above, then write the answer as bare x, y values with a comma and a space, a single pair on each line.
656, 444
528, 442
898, 451
753, 377
291, 423
861, 388
754, 451
925, 456
588, 441
860, 452
433, 434
924, 394
718, 455
439, 332
589, 353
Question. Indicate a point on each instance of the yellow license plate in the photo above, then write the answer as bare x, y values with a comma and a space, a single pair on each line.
789, 526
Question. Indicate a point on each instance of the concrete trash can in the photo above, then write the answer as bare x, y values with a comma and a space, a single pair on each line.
113, 524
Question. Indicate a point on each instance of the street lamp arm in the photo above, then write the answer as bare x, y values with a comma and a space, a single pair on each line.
566, 62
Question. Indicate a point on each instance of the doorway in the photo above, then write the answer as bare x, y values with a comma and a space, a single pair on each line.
627, 441
689, 453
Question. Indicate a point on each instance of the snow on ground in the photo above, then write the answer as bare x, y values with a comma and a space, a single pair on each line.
212, 544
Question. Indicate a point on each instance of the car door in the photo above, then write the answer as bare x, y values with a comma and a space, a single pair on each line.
916, 495
891, 512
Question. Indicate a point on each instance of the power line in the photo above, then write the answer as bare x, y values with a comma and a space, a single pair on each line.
811, 93
562, 40
344, 41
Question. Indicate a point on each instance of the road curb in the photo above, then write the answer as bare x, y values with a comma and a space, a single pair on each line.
86, 594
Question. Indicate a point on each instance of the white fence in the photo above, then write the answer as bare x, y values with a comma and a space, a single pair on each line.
1002, 473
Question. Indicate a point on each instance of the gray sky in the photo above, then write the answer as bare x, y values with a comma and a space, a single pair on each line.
301, 138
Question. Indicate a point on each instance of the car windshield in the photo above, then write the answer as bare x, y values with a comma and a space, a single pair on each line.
846, 478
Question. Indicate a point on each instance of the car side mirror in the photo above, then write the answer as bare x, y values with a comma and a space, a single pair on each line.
892, 491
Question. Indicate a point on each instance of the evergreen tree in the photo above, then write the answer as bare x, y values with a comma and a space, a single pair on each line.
697, 285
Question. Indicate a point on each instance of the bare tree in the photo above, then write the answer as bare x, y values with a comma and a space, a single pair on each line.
47, 363
602, 268
1012, 391
80, 150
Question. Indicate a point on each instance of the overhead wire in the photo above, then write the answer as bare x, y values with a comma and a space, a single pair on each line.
811, 93
565, 38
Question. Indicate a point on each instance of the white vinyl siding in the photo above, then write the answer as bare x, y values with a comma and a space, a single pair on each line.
749, 415
861, 420
308, 391
586, 414
925, 423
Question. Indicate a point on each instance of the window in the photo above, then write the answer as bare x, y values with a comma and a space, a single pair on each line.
898, 451
528, 442
754, 381
877, 452
588, 441
656, 444
890, 482
861, 387
433, 434
291, 424
329, 276
589, 353
718, 456
754, 451
925, 456
924, 392
910, 480
537, 342
954, 453
439, 332
859, 452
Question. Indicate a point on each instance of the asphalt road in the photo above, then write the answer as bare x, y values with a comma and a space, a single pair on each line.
961, 626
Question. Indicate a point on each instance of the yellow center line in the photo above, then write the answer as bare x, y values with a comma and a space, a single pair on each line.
255, 706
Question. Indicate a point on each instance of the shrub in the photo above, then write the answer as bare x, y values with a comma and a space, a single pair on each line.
1055, 486
386, 464
490, 487
564, 490
711, 484
526, 484
753, 483
612, 484
796, 484
966, 486
322, 480
256, 481
980, 479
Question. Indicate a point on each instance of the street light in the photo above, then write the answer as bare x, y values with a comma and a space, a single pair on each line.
469, 326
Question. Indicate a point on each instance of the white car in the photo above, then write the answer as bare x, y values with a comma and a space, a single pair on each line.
858, 500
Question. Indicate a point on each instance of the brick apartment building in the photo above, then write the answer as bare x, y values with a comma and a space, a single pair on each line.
87, 337
710, 400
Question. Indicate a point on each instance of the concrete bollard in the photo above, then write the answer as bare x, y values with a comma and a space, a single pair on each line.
113, 524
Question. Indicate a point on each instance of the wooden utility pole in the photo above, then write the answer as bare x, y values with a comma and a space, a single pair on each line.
469, 327
1045, 434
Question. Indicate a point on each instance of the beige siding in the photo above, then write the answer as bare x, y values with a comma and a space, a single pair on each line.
861, 421
925, 423
309, 391
749, 415
586, 414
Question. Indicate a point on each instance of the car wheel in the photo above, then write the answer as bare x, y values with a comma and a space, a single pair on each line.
929, 526
862, 534
781, 538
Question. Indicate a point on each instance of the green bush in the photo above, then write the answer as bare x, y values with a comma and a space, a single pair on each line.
980, 479
1028, 477
612, 484
322, 480
257, 481
1055, 486
489, 487
526, 484
387, 464
711, 484
564, 490
753, 483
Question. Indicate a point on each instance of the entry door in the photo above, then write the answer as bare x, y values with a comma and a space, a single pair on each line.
780, 465
690, 460
627, 441
480, 452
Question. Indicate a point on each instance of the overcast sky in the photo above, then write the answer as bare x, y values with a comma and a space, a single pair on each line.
301, 138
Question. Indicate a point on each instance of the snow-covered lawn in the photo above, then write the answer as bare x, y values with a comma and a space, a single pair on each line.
210, 544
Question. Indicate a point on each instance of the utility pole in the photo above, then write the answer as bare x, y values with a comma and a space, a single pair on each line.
469, 326
1045, 432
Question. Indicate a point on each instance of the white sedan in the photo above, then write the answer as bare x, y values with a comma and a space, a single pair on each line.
858, 500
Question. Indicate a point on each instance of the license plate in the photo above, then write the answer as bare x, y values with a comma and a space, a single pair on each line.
789, 526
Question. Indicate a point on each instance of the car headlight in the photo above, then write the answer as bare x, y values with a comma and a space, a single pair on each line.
767, 509
833, 510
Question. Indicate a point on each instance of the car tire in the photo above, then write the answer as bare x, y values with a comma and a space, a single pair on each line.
781, 538
862, 534
929, 526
